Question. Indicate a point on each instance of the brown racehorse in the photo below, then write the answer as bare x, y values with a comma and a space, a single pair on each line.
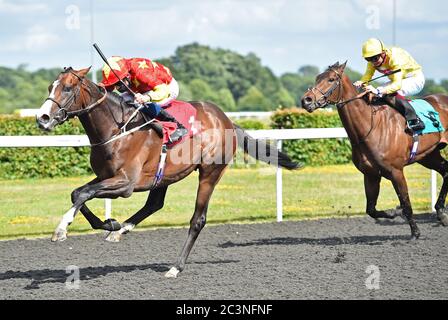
380, 145
129, 163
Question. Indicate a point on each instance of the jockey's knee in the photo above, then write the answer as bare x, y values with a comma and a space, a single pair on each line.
152, 109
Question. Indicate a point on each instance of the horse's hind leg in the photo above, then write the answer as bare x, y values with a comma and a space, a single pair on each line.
154, 203
435, 161
208, 178
401, 188
372, 189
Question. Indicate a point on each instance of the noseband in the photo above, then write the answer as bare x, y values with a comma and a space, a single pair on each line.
63, 114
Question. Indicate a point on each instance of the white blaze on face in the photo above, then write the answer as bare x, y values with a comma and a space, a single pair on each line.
45, 109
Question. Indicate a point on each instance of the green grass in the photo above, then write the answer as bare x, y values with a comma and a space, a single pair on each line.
34, 207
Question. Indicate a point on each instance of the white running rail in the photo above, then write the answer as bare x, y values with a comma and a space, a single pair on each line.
278, 135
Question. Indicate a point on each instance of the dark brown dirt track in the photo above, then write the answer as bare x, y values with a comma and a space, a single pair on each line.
324, 259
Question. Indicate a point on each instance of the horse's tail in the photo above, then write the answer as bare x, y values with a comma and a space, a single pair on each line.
264, 151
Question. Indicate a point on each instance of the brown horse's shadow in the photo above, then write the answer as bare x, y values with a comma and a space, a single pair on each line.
44, 276
330, 241
337, 241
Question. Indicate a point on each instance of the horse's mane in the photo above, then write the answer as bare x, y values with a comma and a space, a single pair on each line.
115, 98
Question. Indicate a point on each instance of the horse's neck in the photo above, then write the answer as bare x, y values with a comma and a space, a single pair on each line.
356, 116
104, 120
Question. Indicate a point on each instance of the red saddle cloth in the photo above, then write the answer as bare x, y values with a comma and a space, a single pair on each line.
185, 113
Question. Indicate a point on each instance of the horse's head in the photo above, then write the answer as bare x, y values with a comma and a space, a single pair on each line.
64, 100
327, 90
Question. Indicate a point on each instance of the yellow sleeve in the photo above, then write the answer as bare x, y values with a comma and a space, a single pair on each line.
397, 82
159, 93
368, 75
397, 78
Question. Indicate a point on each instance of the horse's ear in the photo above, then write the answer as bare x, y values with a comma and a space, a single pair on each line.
343, 66
83, 72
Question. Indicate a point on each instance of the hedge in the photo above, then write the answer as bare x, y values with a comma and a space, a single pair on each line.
18, 163
313, 152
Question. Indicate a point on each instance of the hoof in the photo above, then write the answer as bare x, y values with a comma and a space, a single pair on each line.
172, 273
442, 217
113, 236
111, 225
59, 235
415, 237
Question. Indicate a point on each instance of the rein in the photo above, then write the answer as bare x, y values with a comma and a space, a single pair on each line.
63, 114
341, 104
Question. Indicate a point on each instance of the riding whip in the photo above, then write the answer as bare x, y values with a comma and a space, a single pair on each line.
105, 60
384, 75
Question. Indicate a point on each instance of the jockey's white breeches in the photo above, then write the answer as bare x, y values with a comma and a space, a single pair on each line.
412, 85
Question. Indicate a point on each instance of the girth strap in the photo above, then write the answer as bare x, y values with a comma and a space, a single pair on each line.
160, 169
415, 139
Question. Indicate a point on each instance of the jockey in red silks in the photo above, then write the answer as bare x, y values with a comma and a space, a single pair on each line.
152, 82
408, 82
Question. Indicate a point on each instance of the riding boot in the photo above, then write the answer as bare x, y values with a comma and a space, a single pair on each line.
180, 131
414, 122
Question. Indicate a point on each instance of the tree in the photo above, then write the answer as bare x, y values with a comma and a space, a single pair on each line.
200, 90
431, 87
308, 71
184, 92
284, 99
225, 100
254, 100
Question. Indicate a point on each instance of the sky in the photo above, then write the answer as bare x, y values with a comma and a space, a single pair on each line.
284, 34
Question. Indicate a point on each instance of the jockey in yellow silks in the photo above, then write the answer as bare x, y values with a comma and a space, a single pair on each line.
410, 81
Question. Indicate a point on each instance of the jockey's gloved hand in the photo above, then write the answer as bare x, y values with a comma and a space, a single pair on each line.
374, 90
142, 98
358, 84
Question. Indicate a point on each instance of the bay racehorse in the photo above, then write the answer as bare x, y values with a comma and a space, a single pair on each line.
380, 145
128, 163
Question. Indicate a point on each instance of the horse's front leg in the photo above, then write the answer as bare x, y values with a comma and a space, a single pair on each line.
372, 189
401, 188
118, 186
154, 203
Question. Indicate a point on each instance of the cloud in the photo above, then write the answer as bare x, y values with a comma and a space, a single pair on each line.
39, 38
285, 34
13, 8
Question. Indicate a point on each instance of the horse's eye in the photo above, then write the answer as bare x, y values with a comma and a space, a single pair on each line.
331, 80
66, 89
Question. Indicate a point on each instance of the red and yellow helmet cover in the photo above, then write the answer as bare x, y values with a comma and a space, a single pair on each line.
121, 68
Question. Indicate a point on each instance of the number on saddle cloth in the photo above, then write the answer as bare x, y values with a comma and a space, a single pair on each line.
428, 115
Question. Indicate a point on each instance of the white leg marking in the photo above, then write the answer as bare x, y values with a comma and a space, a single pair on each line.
67, 219
172, 273
126, 228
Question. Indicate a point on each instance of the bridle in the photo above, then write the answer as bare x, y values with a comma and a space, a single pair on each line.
63, 114
323, 101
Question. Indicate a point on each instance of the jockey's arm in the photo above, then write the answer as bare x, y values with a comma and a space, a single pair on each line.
396, 79
368, 75
396, 83
159, 93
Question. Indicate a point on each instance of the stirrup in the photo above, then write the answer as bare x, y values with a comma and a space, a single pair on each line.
418, 125
178, 134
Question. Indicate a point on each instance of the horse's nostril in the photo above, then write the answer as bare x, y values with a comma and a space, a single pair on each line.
44, 118
306, 101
